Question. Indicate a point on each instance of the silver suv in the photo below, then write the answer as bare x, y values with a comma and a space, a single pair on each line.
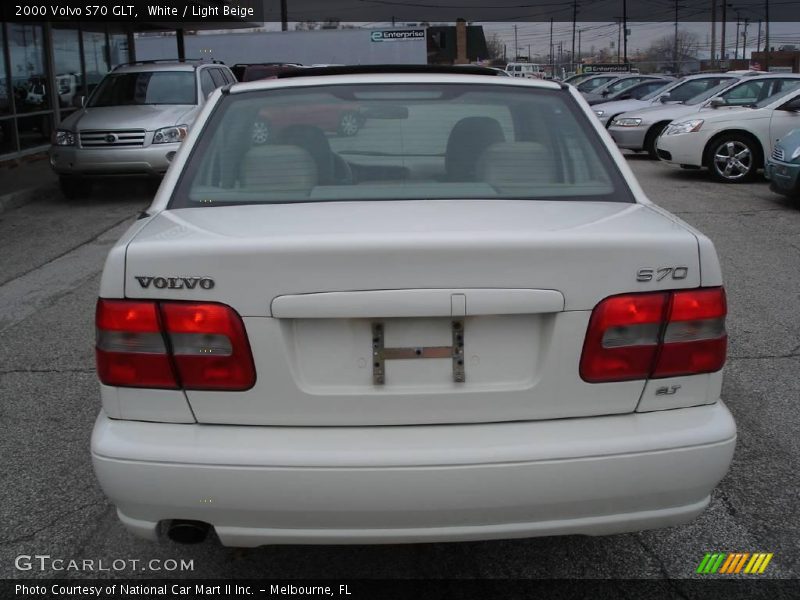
133, 122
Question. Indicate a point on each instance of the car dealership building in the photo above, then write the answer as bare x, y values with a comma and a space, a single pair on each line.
46, 67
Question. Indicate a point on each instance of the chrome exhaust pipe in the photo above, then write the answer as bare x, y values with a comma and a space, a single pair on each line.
187, 532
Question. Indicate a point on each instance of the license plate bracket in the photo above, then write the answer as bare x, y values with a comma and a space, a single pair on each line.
380, 353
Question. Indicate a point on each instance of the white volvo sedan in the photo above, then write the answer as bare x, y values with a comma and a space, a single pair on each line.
464, 322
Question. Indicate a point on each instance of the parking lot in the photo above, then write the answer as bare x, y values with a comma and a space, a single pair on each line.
51, 255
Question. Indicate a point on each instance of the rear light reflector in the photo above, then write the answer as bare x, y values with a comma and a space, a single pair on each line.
172, 345
652, 335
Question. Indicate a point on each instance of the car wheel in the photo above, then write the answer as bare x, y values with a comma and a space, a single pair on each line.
74, 187
349, 124
261, 132
652, 136
733, 158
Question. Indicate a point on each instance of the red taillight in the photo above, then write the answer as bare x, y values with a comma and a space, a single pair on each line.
172, 345
660, 334
209, 345
694, 339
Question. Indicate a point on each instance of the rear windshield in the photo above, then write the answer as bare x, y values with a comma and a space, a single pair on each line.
149, 87
398, 142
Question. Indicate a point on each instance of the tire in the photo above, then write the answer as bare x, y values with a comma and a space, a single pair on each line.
733, 158
261, 132
349, 124
651, 138
74, 187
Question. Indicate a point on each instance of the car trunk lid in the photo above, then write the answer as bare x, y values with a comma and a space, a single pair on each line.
374, 313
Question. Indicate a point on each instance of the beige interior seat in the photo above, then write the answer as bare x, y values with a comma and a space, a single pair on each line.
511, 165
278, 169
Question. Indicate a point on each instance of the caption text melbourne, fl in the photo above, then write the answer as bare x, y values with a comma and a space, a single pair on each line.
177, 589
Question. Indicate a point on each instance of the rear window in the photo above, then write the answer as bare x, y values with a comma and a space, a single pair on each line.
398, 142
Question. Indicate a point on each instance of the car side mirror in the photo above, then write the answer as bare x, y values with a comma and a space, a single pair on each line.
664, 98
792, 105
79, 101
625, 97
716, 102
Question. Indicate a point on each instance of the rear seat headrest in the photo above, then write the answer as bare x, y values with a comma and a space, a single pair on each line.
278, 169
514, 164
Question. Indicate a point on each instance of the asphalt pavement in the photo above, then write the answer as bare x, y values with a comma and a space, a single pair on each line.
51, 256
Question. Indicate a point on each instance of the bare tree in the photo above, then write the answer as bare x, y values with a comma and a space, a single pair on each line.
664, 48
495, 46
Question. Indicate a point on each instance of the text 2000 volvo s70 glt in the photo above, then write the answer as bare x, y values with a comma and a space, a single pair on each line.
466, 321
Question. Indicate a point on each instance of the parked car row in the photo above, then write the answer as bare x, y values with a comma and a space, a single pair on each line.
733, 124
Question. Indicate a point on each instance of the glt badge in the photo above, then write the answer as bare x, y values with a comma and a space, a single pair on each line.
175, 283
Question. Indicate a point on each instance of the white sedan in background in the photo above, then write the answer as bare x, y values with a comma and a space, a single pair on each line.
732, 141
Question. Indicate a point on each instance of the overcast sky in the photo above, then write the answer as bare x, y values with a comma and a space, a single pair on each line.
600, 35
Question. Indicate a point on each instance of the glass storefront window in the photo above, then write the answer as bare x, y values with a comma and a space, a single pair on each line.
34, 130
8, 141
5, 95
118, 48
67, 60
28, 74
95, 57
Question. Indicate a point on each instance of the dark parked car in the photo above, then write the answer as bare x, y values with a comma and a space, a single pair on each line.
783, 167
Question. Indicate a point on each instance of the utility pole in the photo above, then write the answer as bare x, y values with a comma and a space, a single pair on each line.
758, 44
619, 39
766, 36
284, 16
579, 61
744, 38
713, 32
529, 53
625, 30
552, 51
722, 49
516, 45
574, 22
675, 50
736, 51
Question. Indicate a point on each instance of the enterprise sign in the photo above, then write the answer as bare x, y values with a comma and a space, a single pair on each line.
405, 35
606, 68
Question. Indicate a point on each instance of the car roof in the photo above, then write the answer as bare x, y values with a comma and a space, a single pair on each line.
162, 65
775, 76
301, 79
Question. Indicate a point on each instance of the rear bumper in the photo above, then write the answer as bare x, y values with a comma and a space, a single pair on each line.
147, 160
281, 485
